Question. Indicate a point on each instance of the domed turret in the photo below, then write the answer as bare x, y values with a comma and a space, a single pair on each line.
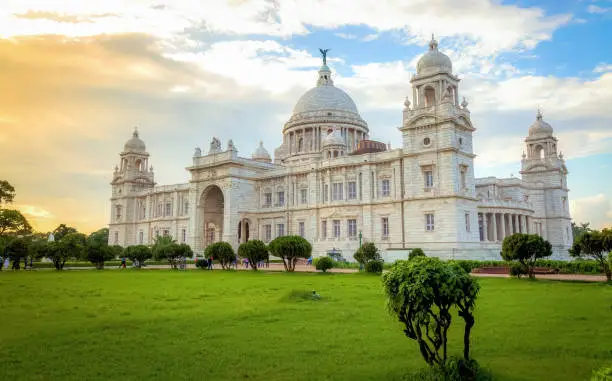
434, 61
540, 127
135, 144
261, 154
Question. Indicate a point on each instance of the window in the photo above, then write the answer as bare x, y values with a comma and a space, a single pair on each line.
352, 228
143, 212
467, 222
301, 229
281, 198
118, 212
267, 199
352, 190
280, 230
304, 196
268, 232
463, 178
159, 210
426, 141
168, 209
429, 222
385, 227
324, 229
183, 235
156, 233
385, 188
116, 238
428, 175
166, 233
186, 207
337, 191
336, 228
325, 192
140, 238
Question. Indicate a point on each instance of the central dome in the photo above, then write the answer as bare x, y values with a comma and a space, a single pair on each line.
325, 96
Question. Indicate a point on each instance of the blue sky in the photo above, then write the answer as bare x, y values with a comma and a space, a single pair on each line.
80, 75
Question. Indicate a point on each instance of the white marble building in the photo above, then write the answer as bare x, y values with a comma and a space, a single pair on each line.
330, 184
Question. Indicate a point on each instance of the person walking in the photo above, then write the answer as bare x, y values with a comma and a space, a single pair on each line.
6, 263
210, 263
123, 262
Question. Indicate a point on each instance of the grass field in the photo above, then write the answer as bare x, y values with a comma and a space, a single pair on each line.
198, 325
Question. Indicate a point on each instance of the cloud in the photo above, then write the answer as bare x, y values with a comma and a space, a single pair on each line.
591, 8
596, 209
603, 68
346, 36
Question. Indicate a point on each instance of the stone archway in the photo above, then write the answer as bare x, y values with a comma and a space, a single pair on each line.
244, 230
212, 202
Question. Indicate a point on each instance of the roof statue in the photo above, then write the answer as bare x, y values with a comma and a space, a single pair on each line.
215, 146
231, 146
324, 53
198, 152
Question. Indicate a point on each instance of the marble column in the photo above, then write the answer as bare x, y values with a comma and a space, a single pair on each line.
494, 218
503, 226
484, 227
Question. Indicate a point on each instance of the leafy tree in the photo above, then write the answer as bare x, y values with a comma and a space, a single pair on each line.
222, 252
375, 266
422, 293
580, 229
97, 250
55, 253
3, 243
418, 252
71, 246
138, 254
366, 253
289, 248
324, 264
117, 251
596, 245
184, 251
62, 230
16, 250
13, 222
7, 192
38, 246
255, 251
526, 249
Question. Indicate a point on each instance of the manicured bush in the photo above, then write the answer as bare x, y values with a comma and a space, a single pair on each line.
222, 252
366, 253
97, 250
418, 252
525, 249
324, 264
255, 251
289, 248
202, 263
375, 267
602, 374
595, 245
138, 254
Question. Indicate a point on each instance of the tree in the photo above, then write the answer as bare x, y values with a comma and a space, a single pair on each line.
7, 192
418, 252
255, 251
71, 246
526, 249
3, 243
580, 229
13, 222
289, 248
62, 230
368, 252
222, 252
97, 250
422, 293
324, 264
596, 245
16, 250
138, 254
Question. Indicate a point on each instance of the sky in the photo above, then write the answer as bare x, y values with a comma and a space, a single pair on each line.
76, 77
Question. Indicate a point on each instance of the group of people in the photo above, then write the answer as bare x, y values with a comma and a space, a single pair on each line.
7, 262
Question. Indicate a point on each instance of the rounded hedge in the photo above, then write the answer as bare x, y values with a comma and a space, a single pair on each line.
324, 264
374, 266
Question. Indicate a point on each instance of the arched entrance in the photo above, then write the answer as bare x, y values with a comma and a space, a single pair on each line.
212, 208
244, 230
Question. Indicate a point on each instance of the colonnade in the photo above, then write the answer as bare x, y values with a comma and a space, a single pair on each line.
497, 226
312, 138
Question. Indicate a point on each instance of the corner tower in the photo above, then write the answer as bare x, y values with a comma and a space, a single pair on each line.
132, 176
545, 177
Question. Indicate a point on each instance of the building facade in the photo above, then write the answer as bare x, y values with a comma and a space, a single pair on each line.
330, 184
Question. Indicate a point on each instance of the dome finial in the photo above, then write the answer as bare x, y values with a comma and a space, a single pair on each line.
539, 114
433, 44
135, 133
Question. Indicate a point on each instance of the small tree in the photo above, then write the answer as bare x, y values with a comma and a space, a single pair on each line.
324, 264
13, 222
289, 248
421, 293
62, 230
222, 252
7, 192
366, 253
166, 248
596, 245
16, 250
97, 250
526, 249
71, 246
138, 254
255, 251
418, 252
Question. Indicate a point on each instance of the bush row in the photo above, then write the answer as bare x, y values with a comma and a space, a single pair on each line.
573, 267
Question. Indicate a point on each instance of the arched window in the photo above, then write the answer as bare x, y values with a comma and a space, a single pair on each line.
430, 96
300, 144
139, 165
538, 151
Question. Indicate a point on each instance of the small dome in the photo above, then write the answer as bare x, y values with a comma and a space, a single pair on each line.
333, 139
540, 127
135, 144
434, 60
261, 154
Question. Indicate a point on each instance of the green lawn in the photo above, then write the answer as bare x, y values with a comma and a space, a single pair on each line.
198, 325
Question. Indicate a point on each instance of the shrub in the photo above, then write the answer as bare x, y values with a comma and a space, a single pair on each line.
418, 252
202, 263
255, 251
596, 245
374, 266
138, 254
517, 269
525, 249
422, 293
324, 264
289, 248
602, 374
16, 250
222, 252
366, 253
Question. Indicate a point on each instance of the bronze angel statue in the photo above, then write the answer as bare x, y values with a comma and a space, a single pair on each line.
324, 53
